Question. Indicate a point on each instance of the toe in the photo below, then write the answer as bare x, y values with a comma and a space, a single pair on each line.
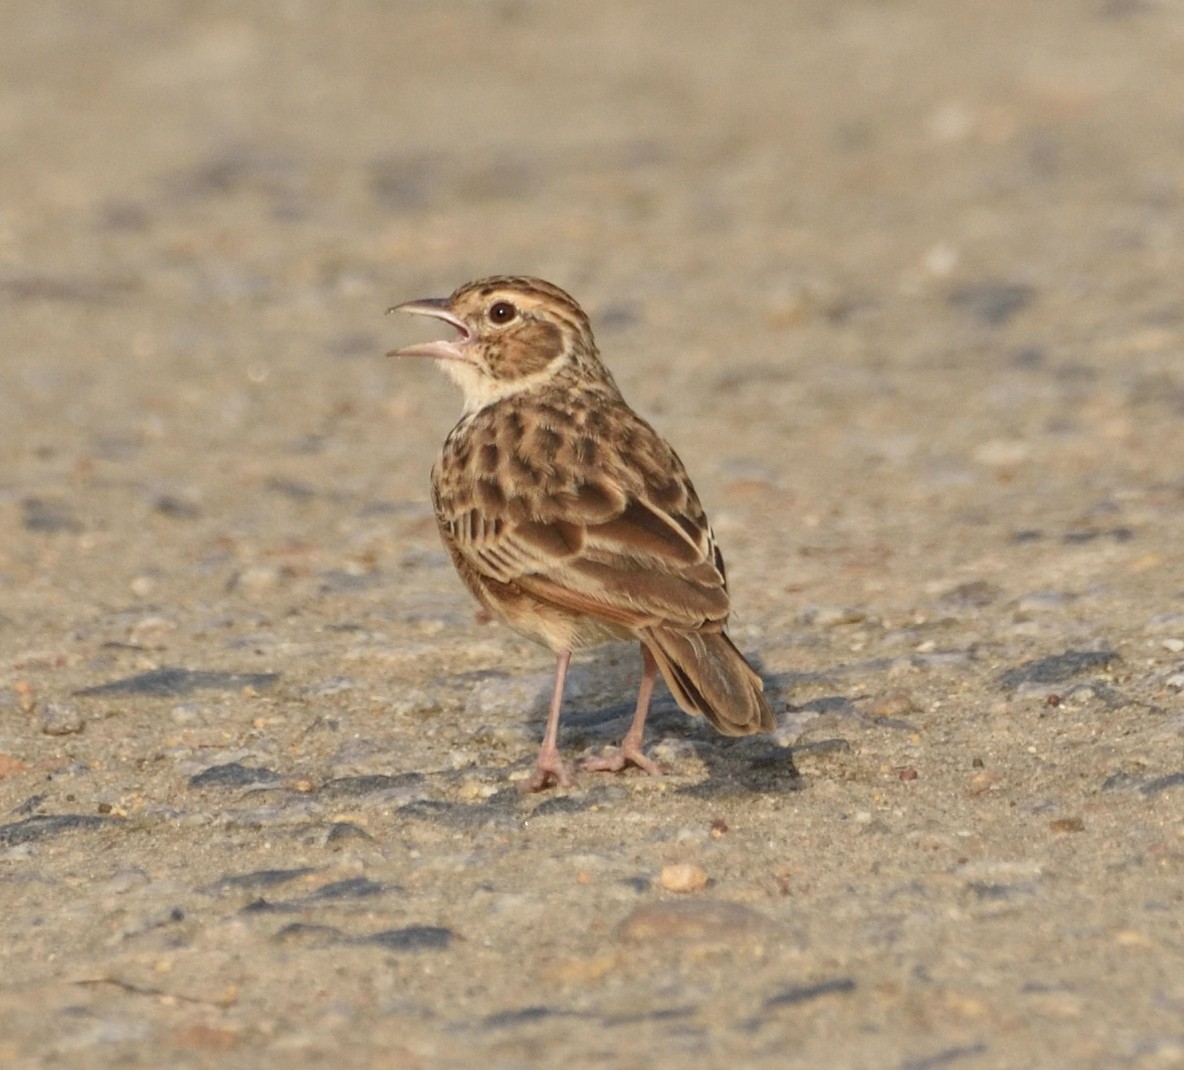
615, 762
549, 772
611, 763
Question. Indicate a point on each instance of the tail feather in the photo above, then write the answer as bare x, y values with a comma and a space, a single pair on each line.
708, 675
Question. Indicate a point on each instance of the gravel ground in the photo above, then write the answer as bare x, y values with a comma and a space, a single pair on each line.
901, 282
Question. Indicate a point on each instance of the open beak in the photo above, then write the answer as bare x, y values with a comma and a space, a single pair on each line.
440, 349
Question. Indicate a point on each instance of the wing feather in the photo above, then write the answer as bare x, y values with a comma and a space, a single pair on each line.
627, 541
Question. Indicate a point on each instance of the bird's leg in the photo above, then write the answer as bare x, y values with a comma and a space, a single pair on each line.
550, 768
630, 750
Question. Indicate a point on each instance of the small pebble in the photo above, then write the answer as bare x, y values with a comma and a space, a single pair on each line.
833, 616
470, 790
257, 579
189, 713
151, 630
61, 719
982, 781
1174, 645
673, 753
683, 877
894, 702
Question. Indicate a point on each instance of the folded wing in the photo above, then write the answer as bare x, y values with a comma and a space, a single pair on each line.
633, 548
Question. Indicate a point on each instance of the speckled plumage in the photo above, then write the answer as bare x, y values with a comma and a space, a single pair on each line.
571, 518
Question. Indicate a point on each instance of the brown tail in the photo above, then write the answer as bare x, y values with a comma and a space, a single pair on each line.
708, 675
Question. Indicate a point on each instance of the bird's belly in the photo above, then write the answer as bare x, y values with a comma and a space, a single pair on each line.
557, 628
553, 626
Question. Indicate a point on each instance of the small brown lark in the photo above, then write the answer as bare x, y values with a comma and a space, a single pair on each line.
571, 519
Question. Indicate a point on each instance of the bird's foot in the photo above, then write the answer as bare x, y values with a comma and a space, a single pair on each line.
628, 753
550, 770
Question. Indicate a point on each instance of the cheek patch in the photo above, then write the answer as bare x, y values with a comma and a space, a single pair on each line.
528, 349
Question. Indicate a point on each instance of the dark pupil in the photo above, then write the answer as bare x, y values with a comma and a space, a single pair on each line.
502, 312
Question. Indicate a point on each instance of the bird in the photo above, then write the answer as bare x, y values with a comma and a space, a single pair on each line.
571, 519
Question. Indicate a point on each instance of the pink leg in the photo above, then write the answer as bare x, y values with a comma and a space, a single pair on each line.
630, 752
550, 768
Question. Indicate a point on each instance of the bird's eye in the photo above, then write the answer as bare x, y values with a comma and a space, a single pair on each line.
502, 312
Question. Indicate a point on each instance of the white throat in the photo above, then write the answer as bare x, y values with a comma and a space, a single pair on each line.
480, 390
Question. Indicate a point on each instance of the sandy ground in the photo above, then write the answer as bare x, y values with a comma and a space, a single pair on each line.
901, 282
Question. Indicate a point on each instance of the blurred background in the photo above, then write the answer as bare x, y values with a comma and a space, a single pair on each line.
789, 165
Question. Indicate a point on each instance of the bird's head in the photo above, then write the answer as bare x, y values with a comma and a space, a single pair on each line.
514, 333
